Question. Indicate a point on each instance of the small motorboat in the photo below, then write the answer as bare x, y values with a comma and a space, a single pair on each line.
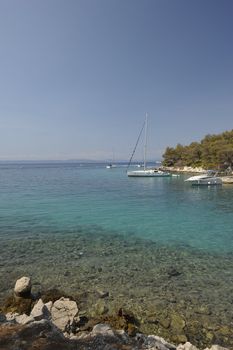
208, 179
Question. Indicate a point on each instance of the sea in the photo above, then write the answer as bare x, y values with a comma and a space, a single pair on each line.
153, 244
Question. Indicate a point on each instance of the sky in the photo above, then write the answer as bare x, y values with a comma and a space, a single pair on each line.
78, 76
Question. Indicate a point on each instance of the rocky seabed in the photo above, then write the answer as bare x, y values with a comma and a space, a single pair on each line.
57, 324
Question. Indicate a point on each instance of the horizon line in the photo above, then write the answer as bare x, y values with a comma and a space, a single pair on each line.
77, 160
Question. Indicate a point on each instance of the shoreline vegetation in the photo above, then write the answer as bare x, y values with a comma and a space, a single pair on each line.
212, 152
52, 320
226, 179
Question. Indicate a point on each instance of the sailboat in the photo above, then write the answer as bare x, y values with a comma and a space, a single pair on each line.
111, 165
145, 172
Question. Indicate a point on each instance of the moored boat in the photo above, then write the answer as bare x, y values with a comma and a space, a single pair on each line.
208, 179
110, 166
145, 172
148, 173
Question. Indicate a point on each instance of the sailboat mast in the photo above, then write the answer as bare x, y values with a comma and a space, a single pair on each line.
145, 142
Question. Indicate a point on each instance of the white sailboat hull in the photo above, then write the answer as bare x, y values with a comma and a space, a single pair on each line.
147, 173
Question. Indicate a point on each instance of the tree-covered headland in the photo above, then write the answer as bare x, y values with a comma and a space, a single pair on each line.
212, 152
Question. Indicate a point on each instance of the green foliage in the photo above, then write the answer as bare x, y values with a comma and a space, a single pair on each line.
213, 152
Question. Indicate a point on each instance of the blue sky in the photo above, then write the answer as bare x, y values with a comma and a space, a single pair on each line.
77, 76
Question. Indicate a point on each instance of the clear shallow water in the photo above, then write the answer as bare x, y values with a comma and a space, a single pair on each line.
154, 243
60, 197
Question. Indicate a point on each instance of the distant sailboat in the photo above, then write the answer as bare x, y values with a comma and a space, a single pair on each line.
112, 165
145, 172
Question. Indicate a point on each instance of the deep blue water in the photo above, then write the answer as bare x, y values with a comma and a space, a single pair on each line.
61, 197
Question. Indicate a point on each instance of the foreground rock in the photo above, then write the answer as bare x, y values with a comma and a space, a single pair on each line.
43, 335
64, 313
57, 324
23, 286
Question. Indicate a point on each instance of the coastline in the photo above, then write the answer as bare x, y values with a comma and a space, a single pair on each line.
161, 286
226, 179
184, 169
49, 320
177, 288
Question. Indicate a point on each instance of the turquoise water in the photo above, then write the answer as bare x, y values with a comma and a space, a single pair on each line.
61, 197
159, 246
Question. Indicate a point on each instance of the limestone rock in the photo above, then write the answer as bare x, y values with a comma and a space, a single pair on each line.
157, 343
10, 316
163, 341
216, 347
64, 313
103, 329
24, 319
186, 346
23, 286
39, 311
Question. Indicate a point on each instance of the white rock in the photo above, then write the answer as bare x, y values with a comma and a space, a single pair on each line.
23, 286
186, 346
24, 319
48, 306
10, 316
64, 313
103, 329
216, 347
39, 310
160, 342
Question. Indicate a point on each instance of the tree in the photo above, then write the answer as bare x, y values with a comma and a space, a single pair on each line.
214, 151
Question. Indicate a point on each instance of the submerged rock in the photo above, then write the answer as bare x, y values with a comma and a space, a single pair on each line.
103, 329
53, 295
17, 304
173, 272
177, 322
45, 324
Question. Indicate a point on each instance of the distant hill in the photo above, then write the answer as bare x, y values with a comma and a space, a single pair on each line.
212, 152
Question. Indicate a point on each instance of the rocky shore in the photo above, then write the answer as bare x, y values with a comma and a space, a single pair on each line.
227, 179
184, 169
52, 321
